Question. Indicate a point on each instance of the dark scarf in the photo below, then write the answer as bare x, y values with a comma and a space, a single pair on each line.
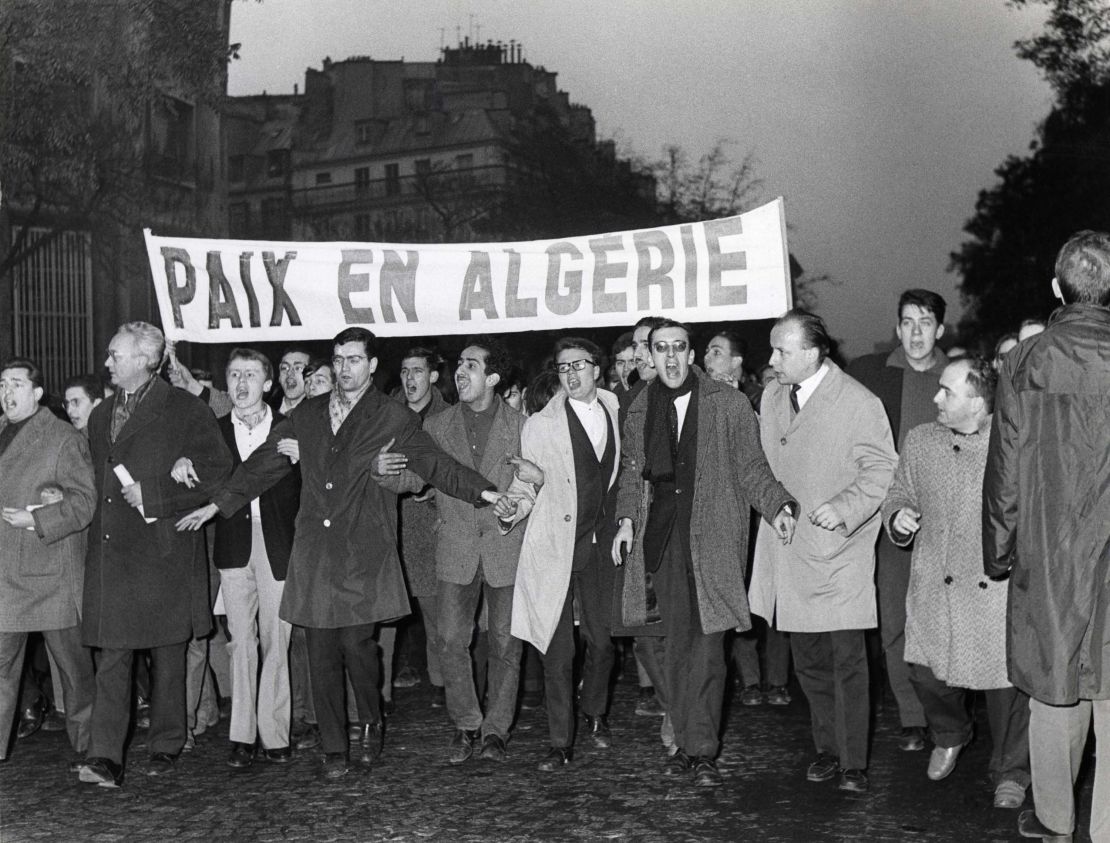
661, 427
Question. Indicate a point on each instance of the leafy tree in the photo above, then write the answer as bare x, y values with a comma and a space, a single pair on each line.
1061, 186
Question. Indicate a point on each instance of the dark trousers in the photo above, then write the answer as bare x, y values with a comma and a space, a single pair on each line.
776, 655
651, 650
111, 713
950, 722
695, 662
75, 672
832, 670
558, 662
330, 652
892, 579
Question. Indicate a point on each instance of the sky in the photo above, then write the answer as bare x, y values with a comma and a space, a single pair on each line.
878, 121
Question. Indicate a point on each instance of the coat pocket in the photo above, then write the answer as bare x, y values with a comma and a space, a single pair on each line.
36, 559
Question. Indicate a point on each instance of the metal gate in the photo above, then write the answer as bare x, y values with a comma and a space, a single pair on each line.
53, 307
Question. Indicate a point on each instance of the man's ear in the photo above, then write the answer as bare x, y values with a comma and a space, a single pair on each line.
373, 363
265, 388
1056, 290
433, 376
493, 379
940, 330
37, 392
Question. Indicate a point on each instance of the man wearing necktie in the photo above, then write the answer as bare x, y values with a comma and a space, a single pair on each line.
829, 440
696, 443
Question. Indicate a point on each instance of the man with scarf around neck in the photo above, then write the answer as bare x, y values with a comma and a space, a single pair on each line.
575, 442
344, 574
695, 443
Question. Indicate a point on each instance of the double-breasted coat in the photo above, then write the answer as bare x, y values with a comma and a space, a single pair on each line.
344, 569
732, 476
838, 449
466, 535
547, 551
146, 585
42, 571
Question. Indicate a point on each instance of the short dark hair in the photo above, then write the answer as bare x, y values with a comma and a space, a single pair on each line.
982, 378
296, 349
926, 300
540, 391
430, 357
1083, 268
672, 323
623, 341
90, 384
514, 378
812, 326
582, 344
314, 364
735, 342
357, 334
652, 322
498, 359
253, 355
34, 373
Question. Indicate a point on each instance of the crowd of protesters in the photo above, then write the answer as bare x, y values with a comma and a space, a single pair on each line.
662, 498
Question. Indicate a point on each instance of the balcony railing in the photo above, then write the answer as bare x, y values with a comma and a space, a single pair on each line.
434, 185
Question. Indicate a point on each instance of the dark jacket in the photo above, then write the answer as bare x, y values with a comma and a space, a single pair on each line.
278, 506
146, 585
1046, 506
344, 569
732, 476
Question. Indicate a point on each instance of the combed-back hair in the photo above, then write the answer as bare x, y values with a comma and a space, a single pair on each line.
926, 300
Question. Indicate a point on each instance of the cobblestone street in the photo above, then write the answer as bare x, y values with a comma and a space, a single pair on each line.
616, 794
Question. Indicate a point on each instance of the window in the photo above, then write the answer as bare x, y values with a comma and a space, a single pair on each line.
392, 179
422, 125
171, 137
323, 178
362, 181
364, 132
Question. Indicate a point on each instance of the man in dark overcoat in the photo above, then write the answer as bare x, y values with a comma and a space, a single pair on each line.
696, 442
1046, 521
344, 572
146, 584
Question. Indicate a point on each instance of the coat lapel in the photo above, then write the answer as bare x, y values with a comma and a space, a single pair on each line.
499, 444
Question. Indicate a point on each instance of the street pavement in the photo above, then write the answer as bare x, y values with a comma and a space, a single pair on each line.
615, 794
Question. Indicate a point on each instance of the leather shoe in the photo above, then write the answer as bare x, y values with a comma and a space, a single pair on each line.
598, 728
462, 746
493, 748
911, 739
557, 757
854, 781
281, 755
30, 720
55, 721
76, 764
101, 771
778, 695
335, 765
1009, 794
160, 764
823, 769
677, 765
369, 743
706, 773
241, 756
1030, 826
942, 761
751, 695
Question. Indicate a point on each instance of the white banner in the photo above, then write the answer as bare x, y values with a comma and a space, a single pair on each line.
232, 291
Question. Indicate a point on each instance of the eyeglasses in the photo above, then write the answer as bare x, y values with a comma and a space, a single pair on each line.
285, 368
577, 365
676, 347
353, 360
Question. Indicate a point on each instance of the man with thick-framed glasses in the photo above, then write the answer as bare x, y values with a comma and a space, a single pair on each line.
575, 442
695, 442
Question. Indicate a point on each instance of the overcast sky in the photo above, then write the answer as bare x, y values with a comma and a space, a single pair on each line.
878, 121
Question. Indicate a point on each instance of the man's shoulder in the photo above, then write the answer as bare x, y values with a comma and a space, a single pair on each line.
872, 367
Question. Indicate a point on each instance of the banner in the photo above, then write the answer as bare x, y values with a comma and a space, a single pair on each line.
232, 291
